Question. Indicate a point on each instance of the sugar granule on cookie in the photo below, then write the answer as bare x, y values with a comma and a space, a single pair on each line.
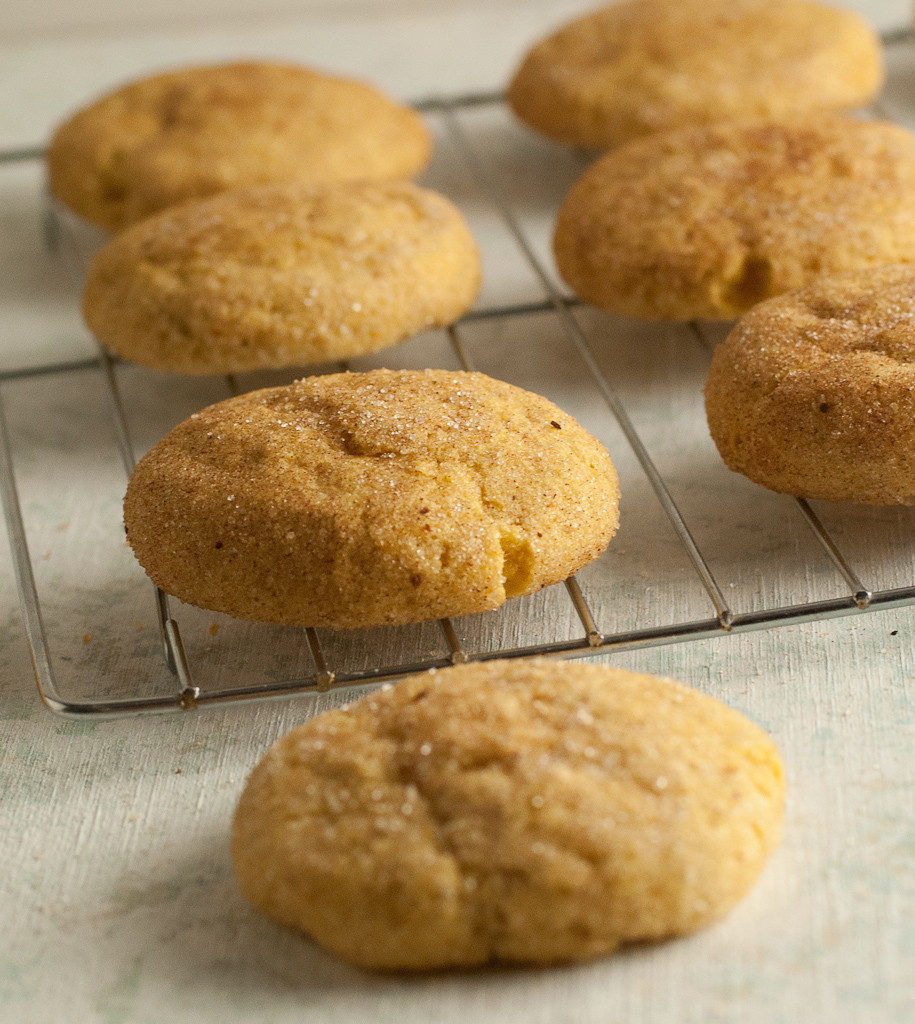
381, 498
706, 222
813, 393
196, 131
643, 66
532, 811
280, 275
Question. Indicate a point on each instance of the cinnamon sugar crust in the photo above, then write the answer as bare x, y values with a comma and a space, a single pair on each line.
382, 498
644, 66
813, 393
279, 275
535, 811
197, 131
706, 222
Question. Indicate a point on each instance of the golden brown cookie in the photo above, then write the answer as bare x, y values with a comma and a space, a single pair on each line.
276, 275
652, 65
201, 130
706, 222
813, 393
532, 811
367, 499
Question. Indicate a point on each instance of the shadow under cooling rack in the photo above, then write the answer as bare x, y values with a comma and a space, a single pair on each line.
700, 552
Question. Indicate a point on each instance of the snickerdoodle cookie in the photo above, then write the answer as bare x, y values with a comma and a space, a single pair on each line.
367, 499
275, 275
201, 130
813, 393
651, 65
705, 222
534, 811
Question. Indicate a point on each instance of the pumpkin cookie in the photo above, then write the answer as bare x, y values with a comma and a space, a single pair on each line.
651, 65
533, 811
705, 222
277, 275
367, 499
813, 393
201, 130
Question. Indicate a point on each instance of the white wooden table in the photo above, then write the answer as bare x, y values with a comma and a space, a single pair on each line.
117, 900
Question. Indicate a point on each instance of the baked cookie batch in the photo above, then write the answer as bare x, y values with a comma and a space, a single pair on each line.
735, 178
263, 215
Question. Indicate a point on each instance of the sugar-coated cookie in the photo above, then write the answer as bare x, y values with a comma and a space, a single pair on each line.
650, 65
705, 222
201, 130
534, 811
367, 499
813, 393
275, 275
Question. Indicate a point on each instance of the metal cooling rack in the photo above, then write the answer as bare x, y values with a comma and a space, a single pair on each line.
439, 644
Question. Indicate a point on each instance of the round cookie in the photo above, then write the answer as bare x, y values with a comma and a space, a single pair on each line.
813, 393
201, 130
276, 275
652, 65
706, 222
533, 811
367, 499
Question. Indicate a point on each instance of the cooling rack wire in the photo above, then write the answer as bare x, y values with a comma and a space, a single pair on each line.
318, 661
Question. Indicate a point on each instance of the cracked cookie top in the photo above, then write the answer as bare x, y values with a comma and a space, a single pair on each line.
196, 131
531, 811
813, 392
386, 497
706, 222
